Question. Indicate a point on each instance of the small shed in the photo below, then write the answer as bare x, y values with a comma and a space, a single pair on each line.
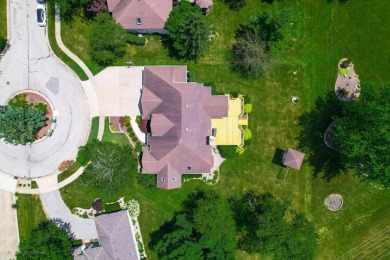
293, 159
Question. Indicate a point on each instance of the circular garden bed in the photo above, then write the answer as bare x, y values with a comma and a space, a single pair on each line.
37, 101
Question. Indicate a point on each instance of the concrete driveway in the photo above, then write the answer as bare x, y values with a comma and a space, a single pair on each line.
118, 90
55, 208
29, 64
9, 233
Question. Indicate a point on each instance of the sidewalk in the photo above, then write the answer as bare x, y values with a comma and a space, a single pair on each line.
9, 231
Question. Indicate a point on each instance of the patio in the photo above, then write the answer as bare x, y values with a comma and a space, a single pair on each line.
347, 85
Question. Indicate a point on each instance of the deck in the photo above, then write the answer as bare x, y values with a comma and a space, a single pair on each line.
229, 130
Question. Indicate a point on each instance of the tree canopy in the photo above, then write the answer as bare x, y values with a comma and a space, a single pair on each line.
107, 39
277, 27
205, 229
20, 125
250, 56
363, 133
266, 226
111, 165
47, 241
188, 31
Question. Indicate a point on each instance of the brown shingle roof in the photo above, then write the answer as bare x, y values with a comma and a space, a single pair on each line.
181, 147
153, 13
293, 159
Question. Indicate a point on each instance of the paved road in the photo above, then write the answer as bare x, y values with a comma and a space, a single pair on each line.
55, 208
28, 64
9, 234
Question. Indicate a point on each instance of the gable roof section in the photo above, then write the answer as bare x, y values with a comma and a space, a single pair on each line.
293, 159
149, 102
215, 106
153, 13
183, 145
204, 3
168, 178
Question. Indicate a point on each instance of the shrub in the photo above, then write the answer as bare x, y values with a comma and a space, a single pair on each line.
113, 128
42, 107
112, 207
129, 130
227, 151
240, 150
132, 134
97, 205
65, 165
134, 139
343, 91
149, 181
122, 121
138, 119
234, 94
132, 207
344, 71
135, 40
345, 64
247, 134
127, 119
127, 124
138, 147
77, 243
248, 108
143, 126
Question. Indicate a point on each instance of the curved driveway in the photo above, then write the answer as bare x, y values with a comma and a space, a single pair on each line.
29, 64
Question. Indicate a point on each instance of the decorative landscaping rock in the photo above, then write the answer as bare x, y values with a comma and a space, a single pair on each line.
334, 202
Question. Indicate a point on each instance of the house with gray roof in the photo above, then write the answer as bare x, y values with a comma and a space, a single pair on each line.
147, 16
116, 239
179, 115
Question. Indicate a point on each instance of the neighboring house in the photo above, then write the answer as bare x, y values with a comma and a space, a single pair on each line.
141, 16
116, 239
179, 134
147, 16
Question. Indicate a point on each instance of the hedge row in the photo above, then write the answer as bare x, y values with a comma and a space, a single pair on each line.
135, 40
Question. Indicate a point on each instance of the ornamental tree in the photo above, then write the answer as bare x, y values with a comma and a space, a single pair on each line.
47, 241
188, 31
19, 125
363, 133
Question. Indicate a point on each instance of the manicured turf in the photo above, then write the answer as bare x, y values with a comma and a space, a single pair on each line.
57, 51
30, 214
94, 129
357, 30
3, 22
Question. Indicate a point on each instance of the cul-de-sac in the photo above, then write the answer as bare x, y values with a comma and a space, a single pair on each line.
194, 129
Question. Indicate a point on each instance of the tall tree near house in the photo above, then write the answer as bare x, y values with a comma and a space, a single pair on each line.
110, 166
363, 133
47, 241
107, 40
188, 31
205, 229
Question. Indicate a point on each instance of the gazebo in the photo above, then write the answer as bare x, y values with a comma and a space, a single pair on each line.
293, 159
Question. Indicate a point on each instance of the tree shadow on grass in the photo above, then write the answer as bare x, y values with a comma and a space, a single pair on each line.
64, 225
168, 44
311, 140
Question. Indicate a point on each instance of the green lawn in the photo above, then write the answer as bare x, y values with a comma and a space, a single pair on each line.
30, 214
357, 30
94, 129
3, 22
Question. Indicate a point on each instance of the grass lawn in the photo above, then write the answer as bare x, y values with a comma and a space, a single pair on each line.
94, 129
3, 20
357, 30
30, 214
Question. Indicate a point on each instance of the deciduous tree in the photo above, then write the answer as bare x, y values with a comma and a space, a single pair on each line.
107, 40
47, 241
363, 133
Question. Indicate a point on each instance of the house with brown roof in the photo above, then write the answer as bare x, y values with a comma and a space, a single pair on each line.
147, 16
180, 133
116, 239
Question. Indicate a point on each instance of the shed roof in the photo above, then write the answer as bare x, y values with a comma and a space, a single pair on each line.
293, 159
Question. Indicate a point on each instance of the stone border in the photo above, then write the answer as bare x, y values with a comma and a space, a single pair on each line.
333, 199
328, 139
37, 93
339, 84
